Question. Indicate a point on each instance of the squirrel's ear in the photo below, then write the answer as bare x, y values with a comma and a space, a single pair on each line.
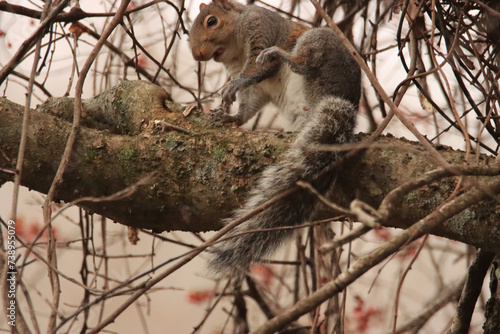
226, 4
202, 5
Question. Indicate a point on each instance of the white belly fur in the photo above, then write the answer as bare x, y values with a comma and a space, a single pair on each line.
286, 91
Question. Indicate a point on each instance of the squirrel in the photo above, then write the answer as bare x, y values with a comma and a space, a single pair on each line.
265, 53
234, 35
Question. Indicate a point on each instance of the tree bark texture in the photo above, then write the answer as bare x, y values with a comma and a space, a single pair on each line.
203, 170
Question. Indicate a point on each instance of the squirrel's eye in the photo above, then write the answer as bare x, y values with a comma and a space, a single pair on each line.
212, 21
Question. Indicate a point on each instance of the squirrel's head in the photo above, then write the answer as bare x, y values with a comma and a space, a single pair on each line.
213, 30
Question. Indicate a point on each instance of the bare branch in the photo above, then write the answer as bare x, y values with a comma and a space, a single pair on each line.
471, 291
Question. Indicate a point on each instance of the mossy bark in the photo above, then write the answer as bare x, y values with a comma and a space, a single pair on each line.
203, 170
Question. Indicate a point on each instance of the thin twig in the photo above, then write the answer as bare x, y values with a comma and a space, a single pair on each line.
445, 297
47, 206
30, 41
343, 239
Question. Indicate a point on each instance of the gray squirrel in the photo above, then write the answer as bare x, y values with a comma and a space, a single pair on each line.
314, 81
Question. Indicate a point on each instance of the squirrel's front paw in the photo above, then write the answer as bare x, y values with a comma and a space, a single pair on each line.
228, 93
268, 55
220, 115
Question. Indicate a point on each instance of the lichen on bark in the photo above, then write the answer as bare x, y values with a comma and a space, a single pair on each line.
204, 170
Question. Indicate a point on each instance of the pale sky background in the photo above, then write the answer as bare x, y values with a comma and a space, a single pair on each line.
168, 311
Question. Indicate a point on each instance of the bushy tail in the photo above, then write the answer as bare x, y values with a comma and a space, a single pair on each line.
332, 122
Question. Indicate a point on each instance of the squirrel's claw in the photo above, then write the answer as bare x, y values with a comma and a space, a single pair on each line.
228, 93
220, 115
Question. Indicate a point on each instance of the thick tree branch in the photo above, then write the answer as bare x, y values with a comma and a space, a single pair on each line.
204, 171
200, 175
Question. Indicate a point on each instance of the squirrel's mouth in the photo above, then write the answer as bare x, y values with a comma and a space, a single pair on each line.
219, 54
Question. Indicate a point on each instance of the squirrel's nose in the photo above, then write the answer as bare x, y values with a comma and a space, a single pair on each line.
198, 55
